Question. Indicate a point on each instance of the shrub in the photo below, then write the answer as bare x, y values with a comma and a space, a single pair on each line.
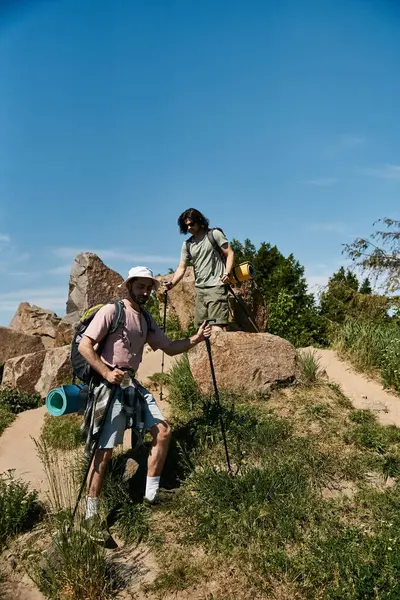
19, 507
17, 401
63, 433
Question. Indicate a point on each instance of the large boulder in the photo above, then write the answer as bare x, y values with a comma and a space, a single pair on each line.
180, 299
56, 370
14, 343
33, 320
91, 282
38, 372
66, 329
253, 362
255, 304
23, 372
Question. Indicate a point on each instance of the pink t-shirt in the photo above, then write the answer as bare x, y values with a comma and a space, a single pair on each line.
124, 347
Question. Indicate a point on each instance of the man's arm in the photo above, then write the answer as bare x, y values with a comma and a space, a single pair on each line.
179, 346
230, 260
86, 348
179, 273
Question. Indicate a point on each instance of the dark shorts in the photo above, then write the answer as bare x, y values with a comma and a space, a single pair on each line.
212, 303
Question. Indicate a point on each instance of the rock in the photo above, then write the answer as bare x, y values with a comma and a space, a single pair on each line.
38, 372
180, 299
255, 305
91, 282
33, 320
23, 372
66, 329
253, 362
56, 370
14, 343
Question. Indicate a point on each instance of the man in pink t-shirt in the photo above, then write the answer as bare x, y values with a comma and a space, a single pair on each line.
122, 351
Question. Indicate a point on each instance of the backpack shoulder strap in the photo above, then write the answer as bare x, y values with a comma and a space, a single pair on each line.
213, 242
188, 247
148, 320
118, 319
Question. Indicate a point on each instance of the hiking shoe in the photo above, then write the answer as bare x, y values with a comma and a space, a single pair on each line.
162, 497
96, 529
131, 466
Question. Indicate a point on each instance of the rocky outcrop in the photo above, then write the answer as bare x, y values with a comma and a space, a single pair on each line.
23, 372
14, 343
66, 329
36, 321
180, 298
56, 370
254, 362
255, 305
38, 372
91, 282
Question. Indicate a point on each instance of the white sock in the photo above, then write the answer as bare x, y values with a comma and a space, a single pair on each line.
92, 507
152, 485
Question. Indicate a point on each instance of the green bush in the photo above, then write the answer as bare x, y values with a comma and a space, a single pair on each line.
17, 401
19, 507
63, 433
6, 418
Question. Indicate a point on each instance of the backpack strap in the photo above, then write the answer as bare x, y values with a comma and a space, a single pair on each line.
148, 320
188, 247
118, 318
217, 250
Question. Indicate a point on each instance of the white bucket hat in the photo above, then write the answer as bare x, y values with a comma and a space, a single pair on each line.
141, 272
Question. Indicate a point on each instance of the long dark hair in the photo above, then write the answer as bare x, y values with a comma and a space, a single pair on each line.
196, 216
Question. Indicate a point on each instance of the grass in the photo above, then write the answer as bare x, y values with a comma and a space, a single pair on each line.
310, 372
62, 433
19, 507
6, 418
371, 347
274, 514
74, 567
17, 401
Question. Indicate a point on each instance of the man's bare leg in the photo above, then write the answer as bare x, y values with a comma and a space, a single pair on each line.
96, 476
158, 453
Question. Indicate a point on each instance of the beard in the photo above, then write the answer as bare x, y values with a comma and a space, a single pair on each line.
139, 298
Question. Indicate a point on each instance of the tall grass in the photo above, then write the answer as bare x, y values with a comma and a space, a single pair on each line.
371, 347
270, 518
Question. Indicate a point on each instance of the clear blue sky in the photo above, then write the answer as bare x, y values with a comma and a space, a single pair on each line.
278, 120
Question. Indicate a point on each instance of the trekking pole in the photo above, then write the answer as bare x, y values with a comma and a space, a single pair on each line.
243, 305
216, 392
163, 354
95, 448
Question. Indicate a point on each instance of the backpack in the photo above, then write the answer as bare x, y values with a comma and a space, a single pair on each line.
80, 367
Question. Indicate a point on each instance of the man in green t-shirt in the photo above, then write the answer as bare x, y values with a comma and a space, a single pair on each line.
210, 271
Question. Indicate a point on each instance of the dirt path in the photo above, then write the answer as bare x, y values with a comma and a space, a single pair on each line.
361, 390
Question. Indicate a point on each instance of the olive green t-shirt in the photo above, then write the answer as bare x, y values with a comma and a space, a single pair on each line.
208, 267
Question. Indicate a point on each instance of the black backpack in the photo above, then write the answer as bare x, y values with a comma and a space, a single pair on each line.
80, 367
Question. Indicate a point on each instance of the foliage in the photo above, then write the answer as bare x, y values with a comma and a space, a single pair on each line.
291, 309
379, 254
343, 298
371, 347
63, 433
310, 368
6, 418
74, 566
19, 507
17, 400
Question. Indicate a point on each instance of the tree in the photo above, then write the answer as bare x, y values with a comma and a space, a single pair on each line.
336, 301
281, 281
366, 287
379, 254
